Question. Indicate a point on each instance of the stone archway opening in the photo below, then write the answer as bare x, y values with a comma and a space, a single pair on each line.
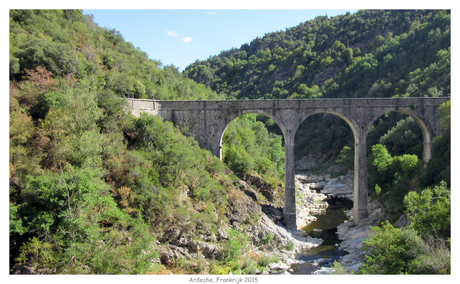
325, 155
399, 132
322, 137
325, 180
255, 154
398, 148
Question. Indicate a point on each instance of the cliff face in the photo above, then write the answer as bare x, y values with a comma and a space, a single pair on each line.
243, 216
261, 225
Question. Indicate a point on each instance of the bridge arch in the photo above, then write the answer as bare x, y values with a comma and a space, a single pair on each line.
427, 130
359, 180
230, 118
350, 121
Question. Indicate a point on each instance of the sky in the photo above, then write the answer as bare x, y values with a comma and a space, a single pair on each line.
180, 37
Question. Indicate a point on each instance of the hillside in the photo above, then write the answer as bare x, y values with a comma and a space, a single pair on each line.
69, 44
366, 54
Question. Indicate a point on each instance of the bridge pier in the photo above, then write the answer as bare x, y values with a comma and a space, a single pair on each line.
360, 181
290, 216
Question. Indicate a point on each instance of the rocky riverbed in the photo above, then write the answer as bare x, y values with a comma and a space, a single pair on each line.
312, 193
262, 224
313, 190
352, 234
311, 198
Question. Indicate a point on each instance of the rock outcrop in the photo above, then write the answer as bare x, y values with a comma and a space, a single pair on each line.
261, 224
354, 234
310, 162
247, 215
308, 202
265, 189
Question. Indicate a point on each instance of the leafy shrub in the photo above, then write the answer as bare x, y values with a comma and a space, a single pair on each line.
430, 210
252, 219
392, 175
265, 260
233, 248
401, 251
249, 147
249, 266
268, 239
390, 250
40, 254
340, 269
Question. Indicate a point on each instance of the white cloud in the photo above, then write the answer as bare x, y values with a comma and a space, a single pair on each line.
211, 13
171, 33
186, 39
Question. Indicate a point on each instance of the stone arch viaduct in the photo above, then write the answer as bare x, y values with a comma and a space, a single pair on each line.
207, 121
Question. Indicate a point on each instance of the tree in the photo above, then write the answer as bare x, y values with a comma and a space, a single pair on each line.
392, 175
402, 251
41, 78
444, 115
347, 55
248, 147
405, 137
378, 41
57, 57
430, 210
389, 249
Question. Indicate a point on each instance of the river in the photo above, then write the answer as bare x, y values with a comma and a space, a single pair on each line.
325, 227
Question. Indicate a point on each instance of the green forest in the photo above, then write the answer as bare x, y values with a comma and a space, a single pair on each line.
93, 189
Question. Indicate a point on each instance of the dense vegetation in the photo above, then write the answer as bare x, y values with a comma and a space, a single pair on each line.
93, 189
249, 147
421, 248
366, 54
68, 43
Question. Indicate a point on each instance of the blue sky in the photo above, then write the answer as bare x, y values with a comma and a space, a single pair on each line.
180, 37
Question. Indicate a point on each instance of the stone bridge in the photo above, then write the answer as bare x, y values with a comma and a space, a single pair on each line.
207, 121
